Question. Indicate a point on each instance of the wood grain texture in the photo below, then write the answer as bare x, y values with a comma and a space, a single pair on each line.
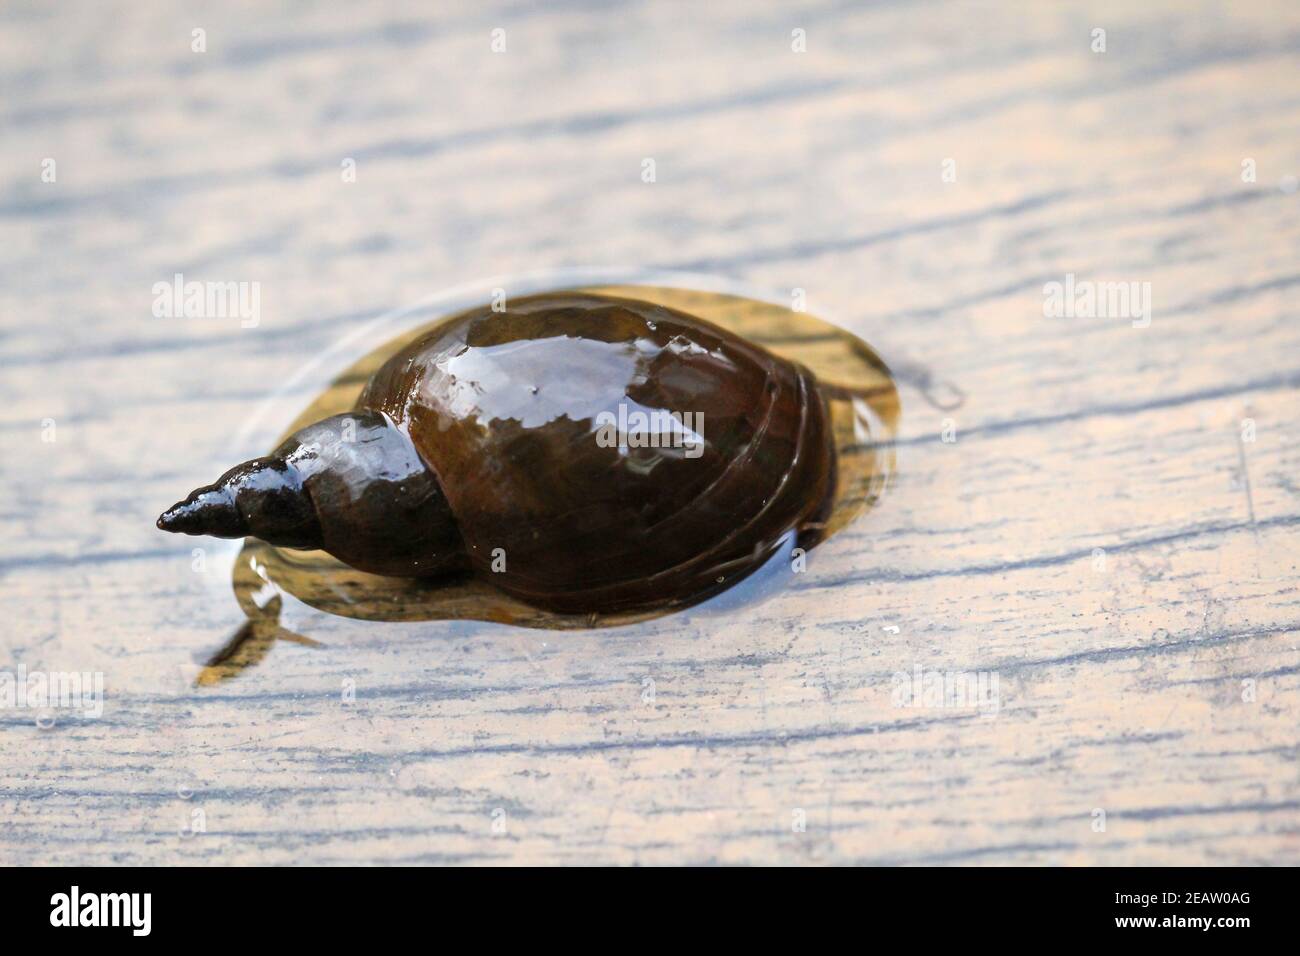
1121, 678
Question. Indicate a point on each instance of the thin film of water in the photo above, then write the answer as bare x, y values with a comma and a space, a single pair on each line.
310, 599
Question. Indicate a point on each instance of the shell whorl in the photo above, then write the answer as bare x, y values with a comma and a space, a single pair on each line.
353, 485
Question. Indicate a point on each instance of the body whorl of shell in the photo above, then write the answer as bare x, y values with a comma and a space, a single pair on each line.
507, 410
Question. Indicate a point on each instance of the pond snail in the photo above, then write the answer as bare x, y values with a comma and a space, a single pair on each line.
581, 452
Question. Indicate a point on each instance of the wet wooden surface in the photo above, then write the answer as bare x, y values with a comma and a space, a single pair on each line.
1151, 685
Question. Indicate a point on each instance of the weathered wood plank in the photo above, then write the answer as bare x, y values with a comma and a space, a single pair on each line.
1157, 681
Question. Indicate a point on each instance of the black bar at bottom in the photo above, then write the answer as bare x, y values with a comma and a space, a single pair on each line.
335, 906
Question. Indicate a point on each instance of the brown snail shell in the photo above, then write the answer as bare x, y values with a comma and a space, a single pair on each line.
579, 451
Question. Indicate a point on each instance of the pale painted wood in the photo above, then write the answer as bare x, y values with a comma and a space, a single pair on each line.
1121, 687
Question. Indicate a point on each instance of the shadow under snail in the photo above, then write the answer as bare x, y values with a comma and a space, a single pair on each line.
581, 452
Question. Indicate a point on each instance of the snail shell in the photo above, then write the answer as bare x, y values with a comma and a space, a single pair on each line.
581, 452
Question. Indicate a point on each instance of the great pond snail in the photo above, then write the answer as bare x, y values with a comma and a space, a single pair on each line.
581, 452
